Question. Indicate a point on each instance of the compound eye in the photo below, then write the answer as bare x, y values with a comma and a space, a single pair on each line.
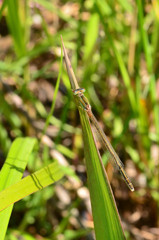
83, 89
78, 91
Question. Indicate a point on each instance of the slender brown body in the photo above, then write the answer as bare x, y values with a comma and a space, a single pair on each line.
101, 135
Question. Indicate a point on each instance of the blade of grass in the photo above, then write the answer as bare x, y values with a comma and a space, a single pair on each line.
30, 184
106, 219
155, 36
15, 26
18, 24
54, 96
92, 30
12, 172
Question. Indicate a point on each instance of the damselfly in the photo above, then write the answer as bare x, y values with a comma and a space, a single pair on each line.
101, 135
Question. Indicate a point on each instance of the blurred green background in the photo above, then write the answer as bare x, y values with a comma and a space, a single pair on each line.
114, 50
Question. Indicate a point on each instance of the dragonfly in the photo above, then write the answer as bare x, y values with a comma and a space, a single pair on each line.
105, 143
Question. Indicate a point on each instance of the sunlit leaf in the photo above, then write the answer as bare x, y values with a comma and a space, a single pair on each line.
12, 172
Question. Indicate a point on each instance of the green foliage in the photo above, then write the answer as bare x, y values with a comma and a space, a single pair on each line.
114, 48
33, 183
106, 219
92, 30
16, 29
12, 172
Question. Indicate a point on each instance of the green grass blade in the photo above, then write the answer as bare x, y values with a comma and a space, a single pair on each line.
106, 219
15, 27
16, 161
30, 184
12, 172
54, 96
144, 36
92, 30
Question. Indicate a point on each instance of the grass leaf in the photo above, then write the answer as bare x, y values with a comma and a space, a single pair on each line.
31, 184
92, 30
12, 172
106, 219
